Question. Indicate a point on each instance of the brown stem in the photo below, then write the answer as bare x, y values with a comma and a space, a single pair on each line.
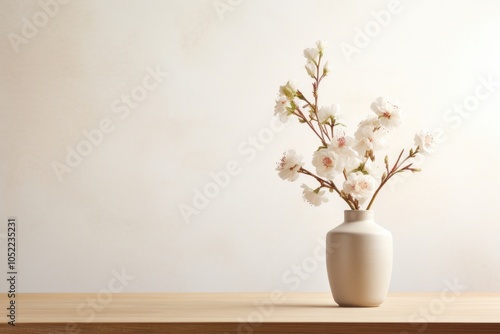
328, 184
397, 161
395, 169
304, 118
315, 94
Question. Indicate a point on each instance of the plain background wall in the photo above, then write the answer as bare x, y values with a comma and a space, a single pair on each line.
118, 209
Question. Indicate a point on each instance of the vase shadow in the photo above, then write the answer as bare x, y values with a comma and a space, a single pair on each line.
309, 305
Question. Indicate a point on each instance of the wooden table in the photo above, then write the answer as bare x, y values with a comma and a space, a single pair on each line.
221, 313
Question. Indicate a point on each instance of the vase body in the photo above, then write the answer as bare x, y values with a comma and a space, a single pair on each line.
359, 260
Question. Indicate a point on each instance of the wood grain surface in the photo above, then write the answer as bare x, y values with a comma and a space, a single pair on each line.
277, 312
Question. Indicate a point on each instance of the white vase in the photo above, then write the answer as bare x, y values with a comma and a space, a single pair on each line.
359, 260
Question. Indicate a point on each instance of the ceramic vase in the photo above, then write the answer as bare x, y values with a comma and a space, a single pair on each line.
359, 260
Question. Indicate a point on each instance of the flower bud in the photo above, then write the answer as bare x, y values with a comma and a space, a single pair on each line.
311, 69
326, 68
321, 46
288, 90
311, 54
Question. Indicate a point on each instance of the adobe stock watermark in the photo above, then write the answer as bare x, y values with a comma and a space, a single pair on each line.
471, 103
223, 6
206, 17
121, 108
419, 319
247, 150
94, 305
454, 116
293, 277
116, 284
363, 37
32, 26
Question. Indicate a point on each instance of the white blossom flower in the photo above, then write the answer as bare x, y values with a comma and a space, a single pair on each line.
388, 113
289, 90
370, 143
321, 45
289, 166
374, 169
280, 109
311, 69
328, 112
427, 141
353, 164
314, 197
359, 185
343, 144
326, 68
370, 136
327, 162
311, 54
365, 166
371, 122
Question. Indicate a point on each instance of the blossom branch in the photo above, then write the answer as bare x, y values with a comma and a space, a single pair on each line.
331, 185
338, 155
301, 116
315, 94
395, 169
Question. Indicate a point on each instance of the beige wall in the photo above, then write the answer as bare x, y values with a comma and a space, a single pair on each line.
218, 66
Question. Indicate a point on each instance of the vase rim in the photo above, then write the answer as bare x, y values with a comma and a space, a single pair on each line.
359, 210
358, 215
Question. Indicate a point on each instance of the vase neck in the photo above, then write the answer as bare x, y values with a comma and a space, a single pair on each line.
358, 215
